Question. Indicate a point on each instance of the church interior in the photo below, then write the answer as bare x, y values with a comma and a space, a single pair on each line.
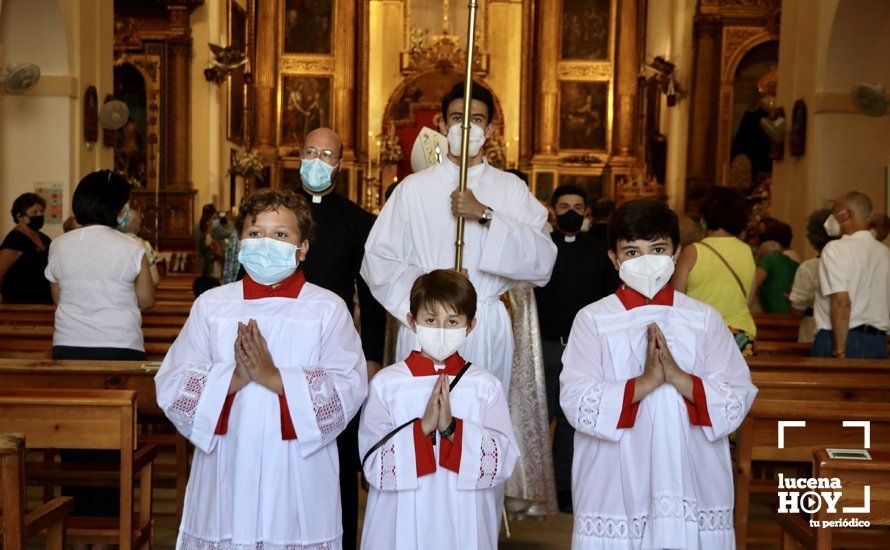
203, 102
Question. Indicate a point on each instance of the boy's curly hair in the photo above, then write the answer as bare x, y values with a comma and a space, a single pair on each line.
265, 200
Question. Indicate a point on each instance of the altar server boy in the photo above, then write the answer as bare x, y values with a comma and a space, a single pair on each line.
653, 382
265, 374
433, 482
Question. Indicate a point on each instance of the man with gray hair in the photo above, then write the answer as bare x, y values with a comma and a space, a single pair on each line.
854, 273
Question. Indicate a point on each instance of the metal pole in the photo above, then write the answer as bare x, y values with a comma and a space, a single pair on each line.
465, 129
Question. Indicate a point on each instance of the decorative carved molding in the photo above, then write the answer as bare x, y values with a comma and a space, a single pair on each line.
126, 34
441, 52
584, 70
323, 65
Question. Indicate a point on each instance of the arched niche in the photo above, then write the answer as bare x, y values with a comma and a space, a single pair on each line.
740, 43
417, 102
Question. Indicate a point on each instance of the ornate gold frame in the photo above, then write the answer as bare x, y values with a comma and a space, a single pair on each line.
737, 42
587, 71
152, 78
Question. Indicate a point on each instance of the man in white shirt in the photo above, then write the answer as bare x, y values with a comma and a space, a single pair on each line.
855, 273
504, 235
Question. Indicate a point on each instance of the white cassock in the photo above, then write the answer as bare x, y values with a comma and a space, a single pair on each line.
415, 234
441, 496
252, 488
664, 480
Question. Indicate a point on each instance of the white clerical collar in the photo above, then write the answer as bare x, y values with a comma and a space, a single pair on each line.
316, 199
570, 238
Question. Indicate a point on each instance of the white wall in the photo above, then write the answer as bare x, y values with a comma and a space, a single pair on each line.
34, 130
827, 46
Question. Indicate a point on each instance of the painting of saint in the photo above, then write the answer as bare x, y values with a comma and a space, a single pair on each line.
307, 26
585, 29
583, 115
305, 106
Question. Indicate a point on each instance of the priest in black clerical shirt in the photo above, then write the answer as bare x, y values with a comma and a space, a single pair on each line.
582, 275
333, 263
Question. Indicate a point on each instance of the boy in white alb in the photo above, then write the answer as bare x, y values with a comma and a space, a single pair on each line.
263, 377
653, 383
433, 481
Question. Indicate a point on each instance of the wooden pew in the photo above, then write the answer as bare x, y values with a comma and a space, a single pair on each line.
757, 440
168, 315
87, 419
37, 341
768, 347
19, 525
109, 375
783, 364
823, 386
776, 327
853, 475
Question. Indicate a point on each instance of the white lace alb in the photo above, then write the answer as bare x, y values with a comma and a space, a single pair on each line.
628, 528
589, 409
329, 414
388, 468
188, 542
182, 411
488, 465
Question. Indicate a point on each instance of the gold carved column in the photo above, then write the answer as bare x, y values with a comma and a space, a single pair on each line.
344, 76
180, 61
627, 69
266, 75
546, 80
704, 98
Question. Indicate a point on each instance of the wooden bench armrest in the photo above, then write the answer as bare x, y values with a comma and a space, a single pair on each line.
144, 456
797, 528
47, 514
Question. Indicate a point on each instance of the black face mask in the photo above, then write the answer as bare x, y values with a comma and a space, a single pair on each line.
35, 223
570, 222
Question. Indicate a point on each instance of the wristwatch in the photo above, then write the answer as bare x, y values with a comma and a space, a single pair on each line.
487, 214
447, 432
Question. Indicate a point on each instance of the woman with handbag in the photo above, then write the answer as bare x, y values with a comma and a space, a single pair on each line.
719, 270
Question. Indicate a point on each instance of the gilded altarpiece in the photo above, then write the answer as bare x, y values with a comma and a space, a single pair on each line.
153, 51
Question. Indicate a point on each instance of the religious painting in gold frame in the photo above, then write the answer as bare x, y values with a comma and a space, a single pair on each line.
584, 115
586, 30
305, 103
591, 182
237, 32
307, 27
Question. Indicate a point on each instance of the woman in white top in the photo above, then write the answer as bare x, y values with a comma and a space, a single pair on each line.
808, 303
99, 277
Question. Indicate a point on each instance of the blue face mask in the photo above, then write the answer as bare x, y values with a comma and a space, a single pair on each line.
214, 224
124, 219
268, 261
316, 174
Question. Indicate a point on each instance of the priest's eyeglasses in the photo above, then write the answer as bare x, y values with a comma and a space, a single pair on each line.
309, 153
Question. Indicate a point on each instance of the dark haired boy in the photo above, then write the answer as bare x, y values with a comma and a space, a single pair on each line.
653, 383
504, 235
433, 482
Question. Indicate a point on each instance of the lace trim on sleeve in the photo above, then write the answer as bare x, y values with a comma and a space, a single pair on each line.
182, 411
189, 542
488, 466
388, 468
589, 409
326, 402
733, 407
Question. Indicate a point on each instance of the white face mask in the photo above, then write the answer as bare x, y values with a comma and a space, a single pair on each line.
477, 139
268, 261
832, 226
647, 274
440, 343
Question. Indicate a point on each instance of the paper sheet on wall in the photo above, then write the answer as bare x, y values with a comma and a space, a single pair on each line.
52, 193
